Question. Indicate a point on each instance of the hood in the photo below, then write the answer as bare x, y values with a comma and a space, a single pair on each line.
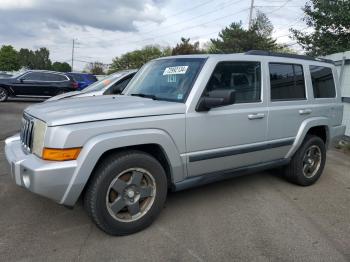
75, 94
65, 95
5, 80
87, 109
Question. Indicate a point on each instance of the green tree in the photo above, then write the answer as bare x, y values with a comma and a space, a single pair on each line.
96, 68
26, 58
8, 58
330, 21
235, 39
137, 58
186, 48
61, 67
41, 59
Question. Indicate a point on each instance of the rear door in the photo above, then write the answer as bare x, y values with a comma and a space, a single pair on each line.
288, 103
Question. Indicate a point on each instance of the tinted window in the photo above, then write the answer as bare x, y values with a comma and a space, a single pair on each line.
35, 76
92, 78
78, 78
243, 77
120, 86
287, 82
322, 81
54, 77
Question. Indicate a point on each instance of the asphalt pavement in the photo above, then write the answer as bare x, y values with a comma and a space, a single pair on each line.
258, 217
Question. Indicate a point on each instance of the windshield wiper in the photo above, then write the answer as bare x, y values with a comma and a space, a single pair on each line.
145, 96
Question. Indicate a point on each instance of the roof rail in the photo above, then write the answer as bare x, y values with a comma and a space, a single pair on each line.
304, 57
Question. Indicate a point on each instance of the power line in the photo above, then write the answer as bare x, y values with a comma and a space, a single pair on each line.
186, 28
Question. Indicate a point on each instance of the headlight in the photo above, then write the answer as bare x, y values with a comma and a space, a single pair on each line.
39, 136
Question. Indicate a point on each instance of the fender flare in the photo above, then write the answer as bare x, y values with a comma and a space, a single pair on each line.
98, 145
305, 126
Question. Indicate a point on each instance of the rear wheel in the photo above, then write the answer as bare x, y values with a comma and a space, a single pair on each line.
3, 94
126, 193
308, 162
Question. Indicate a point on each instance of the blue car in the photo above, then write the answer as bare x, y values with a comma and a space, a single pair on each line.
82, 79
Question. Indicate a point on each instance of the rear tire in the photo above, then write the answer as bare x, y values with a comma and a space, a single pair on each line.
126, 193
3, 94
307, 164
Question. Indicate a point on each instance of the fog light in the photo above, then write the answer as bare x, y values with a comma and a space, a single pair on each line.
26, 181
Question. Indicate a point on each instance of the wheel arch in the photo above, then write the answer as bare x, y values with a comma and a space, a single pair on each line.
155, 142
315, 126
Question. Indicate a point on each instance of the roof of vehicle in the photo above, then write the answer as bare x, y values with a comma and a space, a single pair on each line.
256, 54
77, 73
44, 71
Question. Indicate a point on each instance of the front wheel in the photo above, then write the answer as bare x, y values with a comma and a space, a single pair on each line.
307, 164
126, 193
3, 94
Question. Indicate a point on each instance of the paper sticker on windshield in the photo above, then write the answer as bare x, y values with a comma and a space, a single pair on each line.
175, 70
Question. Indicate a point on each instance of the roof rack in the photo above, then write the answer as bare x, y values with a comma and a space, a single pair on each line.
304, 57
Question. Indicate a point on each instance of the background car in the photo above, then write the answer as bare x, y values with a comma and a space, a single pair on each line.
83, 80
36, 83
110, 85
4, 75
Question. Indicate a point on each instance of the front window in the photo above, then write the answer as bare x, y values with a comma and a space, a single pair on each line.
166, 79
103, 83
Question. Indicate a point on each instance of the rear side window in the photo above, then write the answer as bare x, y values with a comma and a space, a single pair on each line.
322, 82
55, 77
243, 77
91, 78
287, 82
78, 78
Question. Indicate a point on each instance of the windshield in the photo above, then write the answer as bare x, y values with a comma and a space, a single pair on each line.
18, 74
104, 82
166, 79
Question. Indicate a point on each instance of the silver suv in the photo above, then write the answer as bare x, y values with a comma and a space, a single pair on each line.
182, 121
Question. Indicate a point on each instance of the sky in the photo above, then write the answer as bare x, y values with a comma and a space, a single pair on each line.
105, 29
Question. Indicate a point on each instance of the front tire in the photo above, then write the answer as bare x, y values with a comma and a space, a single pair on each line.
126, 193
308, 162
3, 94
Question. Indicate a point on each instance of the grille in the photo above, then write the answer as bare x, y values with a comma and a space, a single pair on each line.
27, 132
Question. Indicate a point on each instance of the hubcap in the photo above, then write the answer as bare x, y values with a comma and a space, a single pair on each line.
131, 194
312, 161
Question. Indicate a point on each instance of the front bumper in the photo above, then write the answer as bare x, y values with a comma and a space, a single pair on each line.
46, 178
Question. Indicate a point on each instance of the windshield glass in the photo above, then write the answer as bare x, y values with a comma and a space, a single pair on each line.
18, 74
100, 85
166, 79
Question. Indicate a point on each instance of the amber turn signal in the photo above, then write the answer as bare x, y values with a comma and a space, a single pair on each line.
55, 154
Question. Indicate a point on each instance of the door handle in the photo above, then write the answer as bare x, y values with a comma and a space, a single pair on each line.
256, 116
305, 111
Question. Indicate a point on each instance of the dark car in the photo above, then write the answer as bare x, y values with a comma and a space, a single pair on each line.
36, 83
83, 79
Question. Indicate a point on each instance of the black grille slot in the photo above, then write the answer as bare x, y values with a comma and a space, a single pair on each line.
27, 132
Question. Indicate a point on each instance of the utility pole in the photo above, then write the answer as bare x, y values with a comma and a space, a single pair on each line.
73, 55
251, 13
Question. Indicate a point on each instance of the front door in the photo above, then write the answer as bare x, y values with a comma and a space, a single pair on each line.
31, 84
232, 136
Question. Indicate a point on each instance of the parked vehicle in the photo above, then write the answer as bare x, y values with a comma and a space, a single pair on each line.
83, 80
5, 75
183, 121
36, 83
111, 85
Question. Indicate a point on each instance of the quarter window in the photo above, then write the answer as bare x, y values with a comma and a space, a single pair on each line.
243, 77
322, 82
287, 82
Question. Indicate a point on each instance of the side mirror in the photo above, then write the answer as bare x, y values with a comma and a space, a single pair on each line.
216, 98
